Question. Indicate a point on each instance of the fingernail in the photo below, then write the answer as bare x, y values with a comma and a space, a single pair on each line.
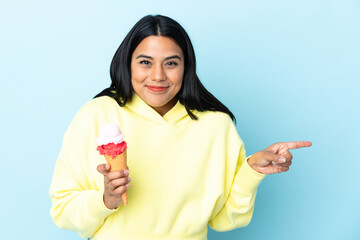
129, 179
127, 185
126, 172
282, 159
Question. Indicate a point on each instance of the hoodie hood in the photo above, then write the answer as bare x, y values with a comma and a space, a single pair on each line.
141, 108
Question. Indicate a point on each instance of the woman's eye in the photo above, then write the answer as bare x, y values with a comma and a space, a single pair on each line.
145, 62
172, 64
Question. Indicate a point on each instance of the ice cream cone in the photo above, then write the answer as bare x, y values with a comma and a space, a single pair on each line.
117, 163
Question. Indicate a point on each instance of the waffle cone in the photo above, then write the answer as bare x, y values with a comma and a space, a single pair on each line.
118, 163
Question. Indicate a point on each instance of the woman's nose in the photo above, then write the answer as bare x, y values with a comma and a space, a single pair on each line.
157, 73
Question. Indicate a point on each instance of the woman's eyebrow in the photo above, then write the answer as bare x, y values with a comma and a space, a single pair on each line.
167, 58
143, 56
175, 56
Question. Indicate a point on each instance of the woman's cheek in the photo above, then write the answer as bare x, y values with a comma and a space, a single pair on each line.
139, 75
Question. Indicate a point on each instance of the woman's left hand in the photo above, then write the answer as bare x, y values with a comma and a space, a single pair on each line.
275, 158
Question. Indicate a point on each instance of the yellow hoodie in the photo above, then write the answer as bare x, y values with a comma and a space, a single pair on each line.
185, 174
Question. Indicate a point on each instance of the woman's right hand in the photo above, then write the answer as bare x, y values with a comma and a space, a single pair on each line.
115, 184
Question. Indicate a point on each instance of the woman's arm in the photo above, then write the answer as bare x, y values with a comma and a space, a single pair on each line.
75, 206
77, 187
238, 208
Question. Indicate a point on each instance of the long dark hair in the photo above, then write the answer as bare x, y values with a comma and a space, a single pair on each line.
193, 95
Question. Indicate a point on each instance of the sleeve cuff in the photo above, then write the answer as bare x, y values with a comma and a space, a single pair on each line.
97, 207
249, 178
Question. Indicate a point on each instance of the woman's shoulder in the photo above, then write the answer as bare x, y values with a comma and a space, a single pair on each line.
93, 112
95, 109
98, 104
219, 123
215, 117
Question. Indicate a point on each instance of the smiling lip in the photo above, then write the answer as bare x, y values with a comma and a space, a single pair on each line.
156, 89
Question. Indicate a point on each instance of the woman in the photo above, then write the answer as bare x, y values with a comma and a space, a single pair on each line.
186, 161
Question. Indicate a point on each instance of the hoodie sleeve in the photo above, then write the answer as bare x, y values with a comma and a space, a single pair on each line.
241, 187
77, 203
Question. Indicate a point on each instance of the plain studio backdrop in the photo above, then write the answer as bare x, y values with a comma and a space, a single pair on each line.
288, 70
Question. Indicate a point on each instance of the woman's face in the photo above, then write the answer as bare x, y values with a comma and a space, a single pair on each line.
157, 70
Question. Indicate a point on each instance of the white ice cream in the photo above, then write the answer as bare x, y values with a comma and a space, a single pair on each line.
109, 133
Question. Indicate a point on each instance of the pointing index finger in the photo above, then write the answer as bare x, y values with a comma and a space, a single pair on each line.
297, 144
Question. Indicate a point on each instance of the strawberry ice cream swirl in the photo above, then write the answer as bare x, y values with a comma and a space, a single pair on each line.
112, 149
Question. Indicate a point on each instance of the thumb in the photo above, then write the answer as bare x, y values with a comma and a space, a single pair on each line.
273, 157
104, 169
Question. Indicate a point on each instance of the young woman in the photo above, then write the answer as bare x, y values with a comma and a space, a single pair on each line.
186, 160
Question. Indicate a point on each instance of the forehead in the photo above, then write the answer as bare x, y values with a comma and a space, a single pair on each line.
158, 46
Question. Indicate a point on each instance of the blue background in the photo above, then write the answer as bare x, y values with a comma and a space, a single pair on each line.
289, 70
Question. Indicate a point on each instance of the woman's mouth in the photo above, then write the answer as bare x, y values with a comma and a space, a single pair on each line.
156, 89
